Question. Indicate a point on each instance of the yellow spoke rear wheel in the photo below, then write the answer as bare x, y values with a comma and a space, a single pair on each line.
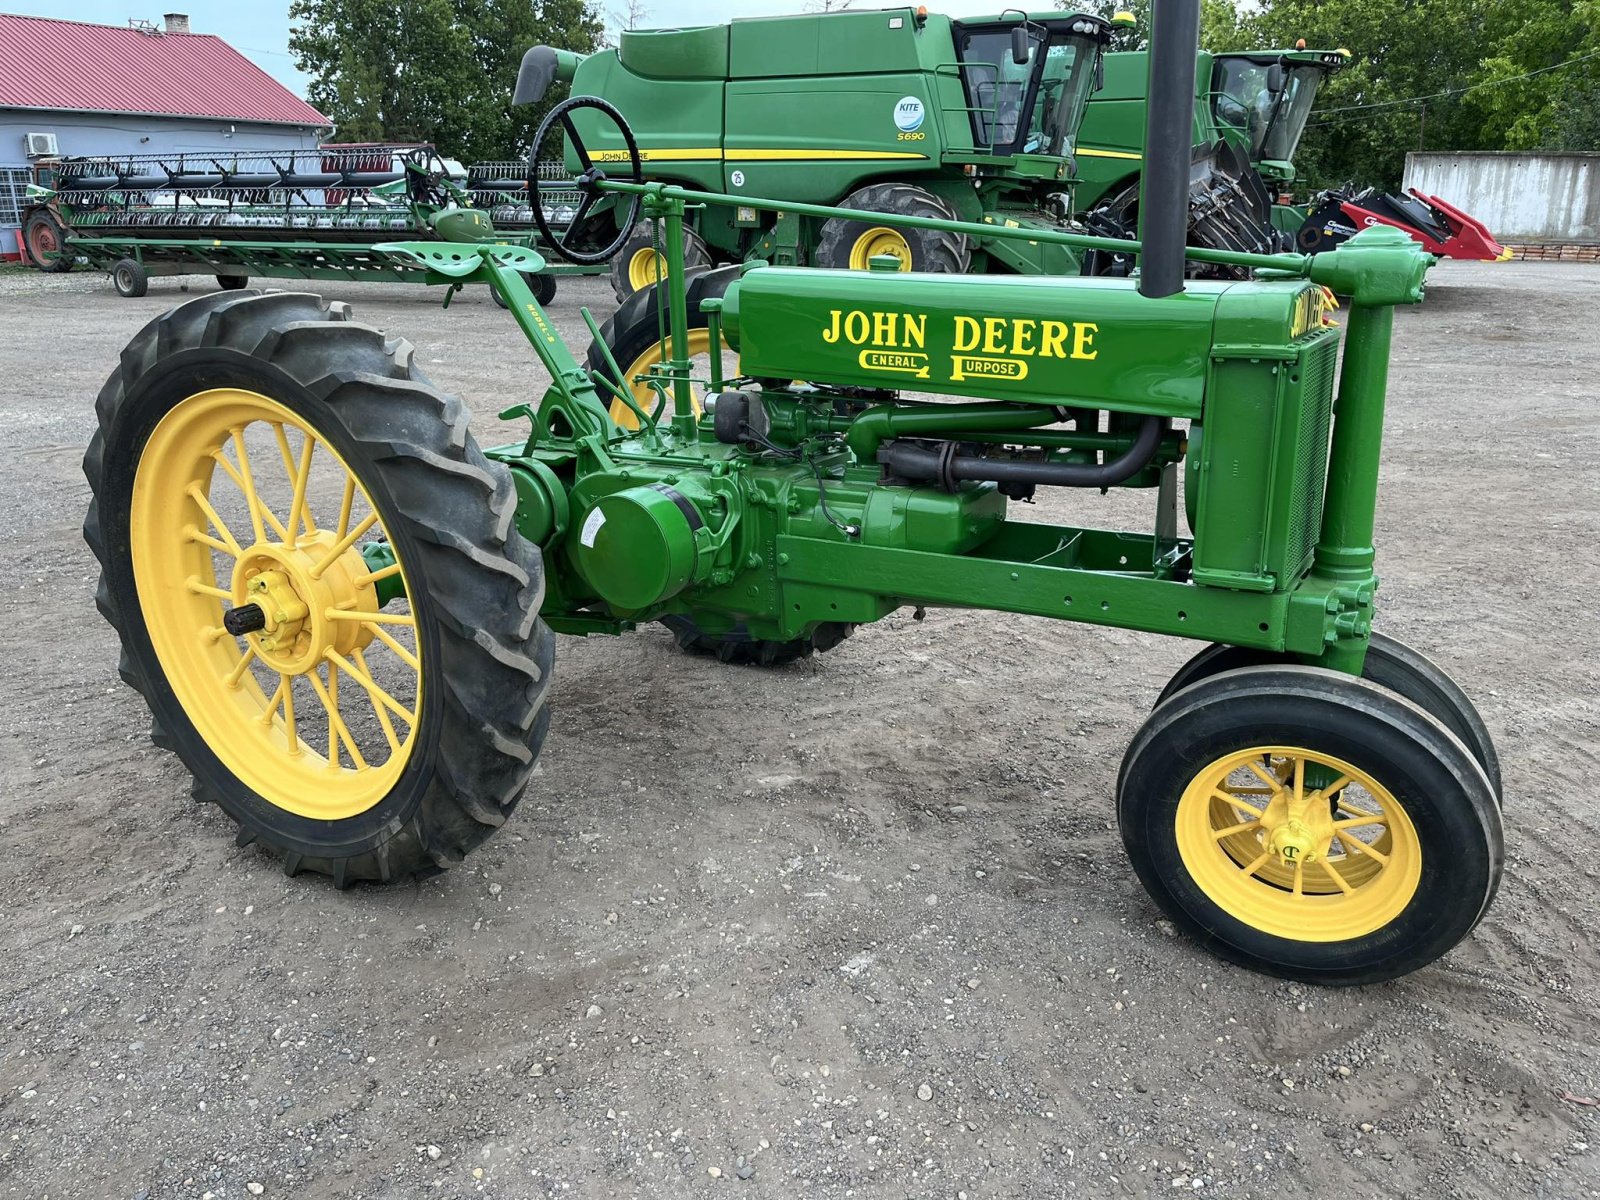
1310, 825
314, 712
318, 586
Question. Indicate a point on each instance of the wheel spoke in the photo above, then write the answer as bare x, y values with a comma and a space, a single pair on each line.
1360, 847
217, 523
1299, 786
1299, 876
338, 732
1228, 797
289, 468
277, 698
299, 510
243, 665
346, 504
358, 671
388, 640
1337, 786
1337, 878
1266, 777
375, 618
379, 575
245, 478
1257, 863
1364, 819
1233, 829
343, 544
205, 589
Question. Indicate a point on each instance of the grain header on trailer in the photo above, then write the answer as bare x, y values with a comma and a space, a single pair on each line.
341, 611
295, 214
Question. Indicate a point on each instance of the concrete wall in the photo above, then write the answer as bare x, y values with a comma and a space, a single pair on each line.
111, 133
1521, 197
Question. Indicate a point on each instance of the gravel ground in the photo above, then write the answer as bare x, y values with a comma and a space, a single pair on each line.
859, 927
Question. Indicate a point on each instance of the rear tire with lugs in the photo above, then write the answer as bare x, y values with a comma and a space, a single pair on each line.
850, 245
443, 708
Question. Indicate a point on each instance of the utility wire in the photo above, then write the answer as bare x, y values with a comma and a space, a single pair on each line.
1350, 108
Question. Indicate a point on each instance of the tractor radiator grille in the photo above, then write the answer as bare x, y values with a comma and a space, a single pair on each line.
1310, 473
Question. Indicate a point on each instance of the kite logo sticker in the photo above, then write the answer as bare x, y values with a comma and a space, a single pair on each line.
908, 114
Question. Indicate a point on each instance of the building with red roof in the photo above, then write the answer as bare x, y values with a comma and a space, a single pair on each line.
69, 88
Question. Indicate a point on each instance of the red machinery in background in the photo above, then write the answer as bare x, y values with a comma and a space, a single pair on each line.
1442, 228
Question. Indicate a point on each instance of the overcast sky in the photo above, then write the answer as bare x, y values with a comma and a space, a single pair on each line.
259, 29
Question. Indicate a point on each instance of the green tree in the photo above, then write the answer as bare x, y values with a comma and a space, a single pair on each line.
1448, 74
440, 71
1219, 21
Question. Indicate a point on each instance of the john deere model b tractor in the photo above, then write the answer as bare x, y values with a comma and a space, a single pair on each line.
894, 111
342, 611
1250, 110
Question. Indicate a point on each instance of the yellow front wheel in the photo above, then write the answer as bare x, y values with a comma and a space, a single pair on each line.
317, 584
1310, 825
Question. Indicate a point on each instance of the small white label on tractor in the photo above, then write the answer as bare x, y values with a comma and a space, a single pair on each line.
591, 528
737, 179
897, 23
908, 114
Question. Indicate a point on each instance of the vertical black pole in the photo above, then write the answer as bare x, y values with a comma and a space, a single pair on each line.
1168, 141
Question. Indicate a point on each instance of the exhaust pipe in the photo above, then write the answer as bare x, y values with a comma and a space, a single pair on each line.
1168, 145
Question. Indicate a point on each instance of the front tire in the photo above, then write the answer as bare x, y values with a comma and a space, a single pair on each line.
261, 452
1388, 663
851, 245
1309, 825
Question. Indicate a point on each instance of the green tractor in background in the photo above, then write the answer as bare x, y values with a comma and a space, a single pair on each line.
1250, 111
897, 110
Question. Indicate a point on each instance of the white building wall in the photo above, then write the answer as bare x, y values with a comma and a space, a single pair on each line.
1521, 197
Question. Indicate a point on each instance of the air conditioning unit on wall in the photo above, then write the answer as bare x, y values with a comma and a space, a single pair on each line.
41, 145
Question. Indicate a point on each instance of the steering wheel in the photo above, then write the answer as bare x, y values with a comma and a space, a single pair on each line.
587, 183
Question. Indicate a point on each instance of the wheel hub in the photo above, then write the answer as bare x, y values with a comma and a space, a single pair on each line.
296, 589
880, 241
1298, 830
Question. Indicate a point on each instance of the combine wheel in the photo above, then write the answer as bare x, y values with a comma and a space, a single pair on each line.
633, 335
853, 244
47, 243
1389, 664
318, 585
232, 283
130, 278
1310, 825
636, 266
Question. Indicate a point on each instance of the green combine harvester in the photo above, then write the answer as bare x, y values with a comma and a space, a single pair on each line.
341, 611
1250, 111
896, 111
294, 214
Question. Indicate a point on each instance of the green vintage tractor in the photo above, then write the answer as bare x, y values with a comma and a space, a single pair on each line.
1250, 110
342, 611
897, 111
